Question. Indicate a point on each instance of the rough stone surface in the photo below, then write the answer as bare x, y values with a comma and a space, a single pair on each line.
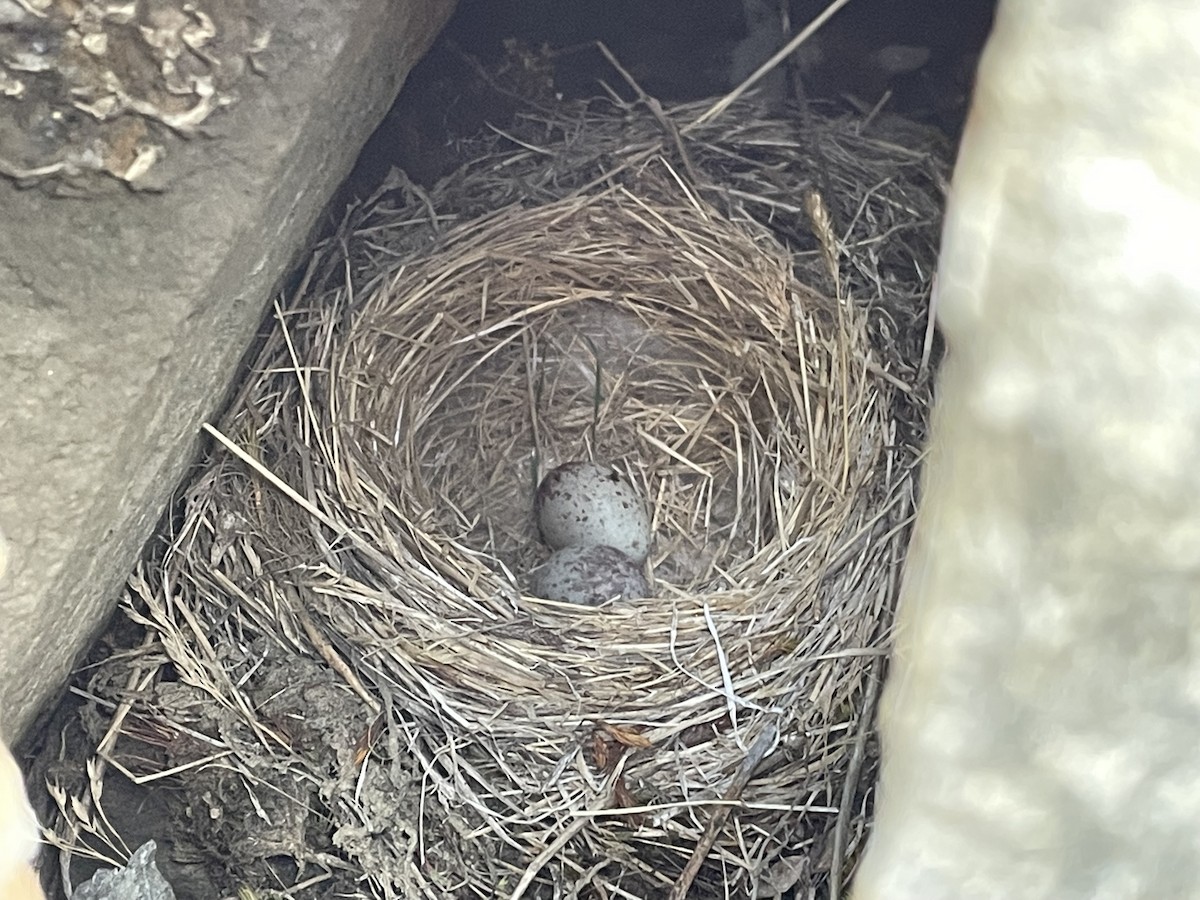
123, 318
1042, 718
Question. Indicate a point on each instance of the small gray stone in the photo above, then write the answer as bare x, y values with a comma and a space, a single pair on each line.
140, 880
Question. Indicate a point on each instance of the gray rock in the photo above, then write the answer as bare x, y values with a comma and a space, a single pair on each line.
139, 880
123, 317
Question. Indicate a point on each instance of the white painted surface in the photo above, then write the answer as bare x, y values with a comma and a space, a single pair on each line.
18, 835
18, 826
1042, 720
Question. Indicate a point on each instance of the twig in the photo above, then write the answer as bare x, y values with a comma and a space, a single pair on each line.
851, 783
666, 122
551, 850
760, 748
783, 53
331, 656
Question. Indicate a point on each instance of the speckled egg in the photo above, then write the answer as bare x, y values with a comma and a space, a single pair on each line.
582, 504
588, 576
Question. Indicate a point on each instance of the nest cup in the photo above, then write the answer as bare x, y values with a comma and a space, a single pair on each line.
691, 382
649, 332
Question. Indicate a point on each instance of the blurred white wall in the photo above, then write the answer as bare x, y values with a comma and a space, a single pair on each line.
1041, 724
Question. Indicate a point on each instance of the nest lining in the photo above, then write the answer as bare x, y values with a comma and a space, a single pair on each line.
484, 403
515, 744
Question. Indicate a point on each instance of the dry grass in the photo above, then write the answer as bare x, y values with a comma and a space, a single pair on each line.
612, 286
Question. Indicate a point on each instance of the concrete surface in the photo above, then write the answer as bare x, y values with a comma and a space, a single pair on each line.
1042, 716
123, 318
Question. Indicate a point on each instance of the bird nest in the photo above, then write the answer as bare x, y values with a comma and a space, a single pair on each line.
341, 629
